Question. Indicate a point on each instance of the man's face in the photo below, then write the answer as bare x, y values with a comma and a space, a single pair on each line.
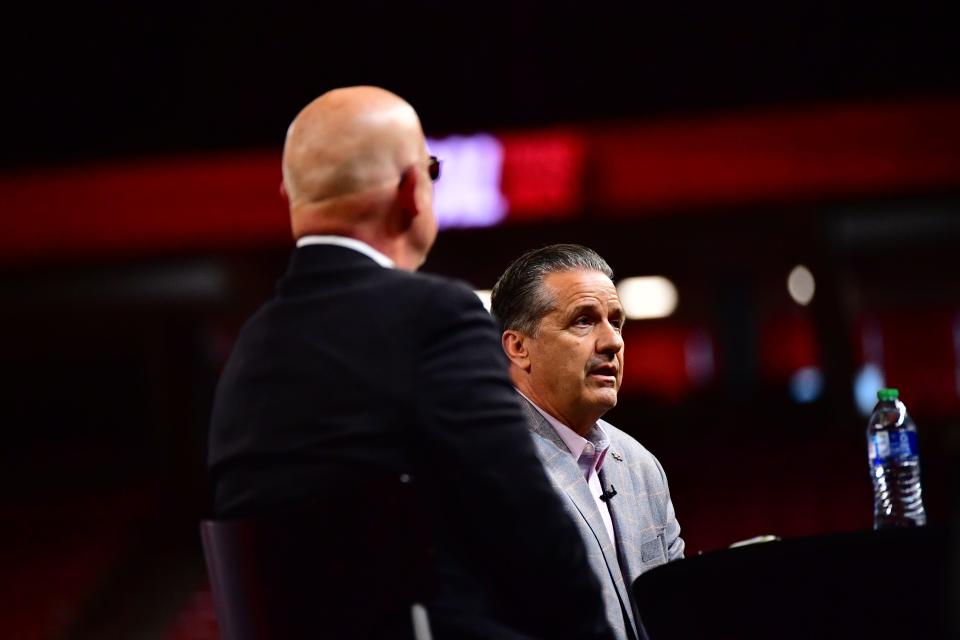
576, 359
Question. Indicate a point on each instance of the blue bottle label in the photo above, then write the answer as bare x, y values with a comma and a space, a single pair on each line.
885, 446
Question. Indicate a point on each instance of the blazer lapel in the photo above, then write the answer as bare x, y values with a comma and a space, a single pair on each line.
631, 522
565, 473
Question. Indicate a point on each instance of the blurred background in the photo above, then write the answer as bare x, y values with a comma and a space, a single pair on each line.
790, 174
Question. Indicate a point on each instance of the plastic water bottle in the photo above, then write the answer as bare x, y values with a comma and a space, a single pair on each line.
894, 464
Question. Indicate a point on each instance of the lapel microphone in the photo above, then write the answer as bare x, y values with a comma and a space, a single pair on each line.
606, 495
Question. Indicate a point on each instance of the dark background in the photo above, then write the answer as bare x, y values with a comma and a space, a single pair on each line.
115, 79
109, 372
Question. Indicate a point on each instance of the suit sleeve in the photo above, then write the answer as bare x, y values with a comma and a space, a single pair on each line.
675, 544
509, 523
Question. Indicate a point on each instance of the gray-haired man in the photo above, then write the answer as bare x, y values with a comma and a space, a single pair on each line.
562, 321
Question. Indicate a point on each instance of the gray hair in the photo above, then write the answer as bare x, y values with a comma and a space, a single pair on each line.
519, 300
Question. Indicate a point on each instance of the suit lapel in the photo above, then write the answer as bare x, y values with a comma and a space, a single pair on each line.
565, 473
631, 522
623, 512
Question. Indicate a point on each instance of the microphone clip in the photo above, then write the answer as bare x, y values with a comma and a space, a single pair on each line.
606, 495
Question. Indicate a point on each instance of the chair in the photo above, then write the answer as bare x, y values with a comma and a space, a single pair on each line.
352, 567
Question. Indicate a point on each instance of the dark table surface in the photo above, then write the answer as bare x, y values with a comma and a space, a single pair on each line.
873, 584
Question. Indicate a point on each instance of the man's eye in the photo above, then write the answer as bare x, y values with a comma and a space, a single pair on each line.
582, 321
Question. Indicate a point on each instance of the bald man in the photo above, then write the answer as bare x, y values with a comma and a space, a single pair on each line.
361, 371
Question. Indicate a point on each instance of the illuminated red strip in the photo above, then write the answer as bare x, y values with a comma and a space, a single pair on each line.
811, 153
193, 203
231, 201
543, 174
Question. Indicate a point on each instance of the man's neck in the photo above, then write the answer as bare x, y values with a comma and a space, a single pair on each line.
361, 216
399, 250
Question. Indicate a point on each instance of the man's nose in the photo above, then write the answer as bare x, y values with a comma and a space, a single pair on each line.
610, 340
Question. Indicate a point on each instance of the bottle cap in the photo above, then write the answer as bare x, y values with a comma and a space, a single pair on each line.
888, 394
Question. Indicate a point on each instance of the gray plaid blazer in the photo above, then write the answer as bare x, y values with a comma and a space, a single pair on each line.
644, 522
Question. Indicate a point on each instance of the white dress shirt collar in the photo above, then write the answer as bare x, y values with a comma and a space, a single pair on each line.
349, 243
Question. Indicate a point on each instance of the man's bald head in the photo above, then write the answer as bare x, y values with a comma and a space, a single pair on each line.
347, 157
349, 140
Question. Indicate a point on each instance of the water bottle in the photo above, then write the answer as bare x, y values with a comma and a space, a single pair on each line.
894, 464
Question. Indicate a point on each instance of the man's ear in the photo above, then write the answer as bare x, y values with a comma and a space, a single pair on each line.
515, 346
407, 196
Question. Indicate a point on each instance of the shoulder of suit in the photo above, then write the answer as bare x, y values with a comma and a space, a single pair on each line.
426, 281
624, 449
440, 292
419, 289
434, 310
433, 280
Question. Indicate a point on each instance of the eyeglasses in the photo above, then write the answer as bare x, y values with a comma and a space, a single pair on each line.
434, 168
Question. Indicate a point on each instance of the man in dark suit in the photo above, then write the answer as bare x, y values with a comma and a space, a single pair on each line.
361, 370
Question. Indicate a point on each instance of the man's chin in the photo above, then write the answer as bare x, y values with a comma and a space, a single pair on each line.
605, 399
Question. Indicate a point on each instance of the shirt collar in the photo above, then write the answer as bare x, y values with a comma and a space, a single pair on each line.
349, 243
597, 437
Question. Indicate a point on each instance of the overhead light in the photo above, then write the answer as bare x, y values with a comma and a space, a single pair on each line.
800, 285
647, 297
484, 295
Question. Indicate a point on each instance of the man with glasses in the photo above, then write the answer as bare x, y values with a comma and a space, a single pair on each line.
360, 371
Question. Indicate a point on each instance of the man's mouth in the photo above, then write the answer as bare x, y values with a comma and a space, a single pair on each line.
604, 371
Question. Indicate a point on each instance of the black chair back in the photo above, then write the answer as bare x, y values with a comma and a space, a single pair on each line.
345, 567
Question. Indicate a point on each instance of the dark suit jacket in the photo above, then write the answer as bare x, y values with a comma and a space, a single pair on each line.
355, 371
